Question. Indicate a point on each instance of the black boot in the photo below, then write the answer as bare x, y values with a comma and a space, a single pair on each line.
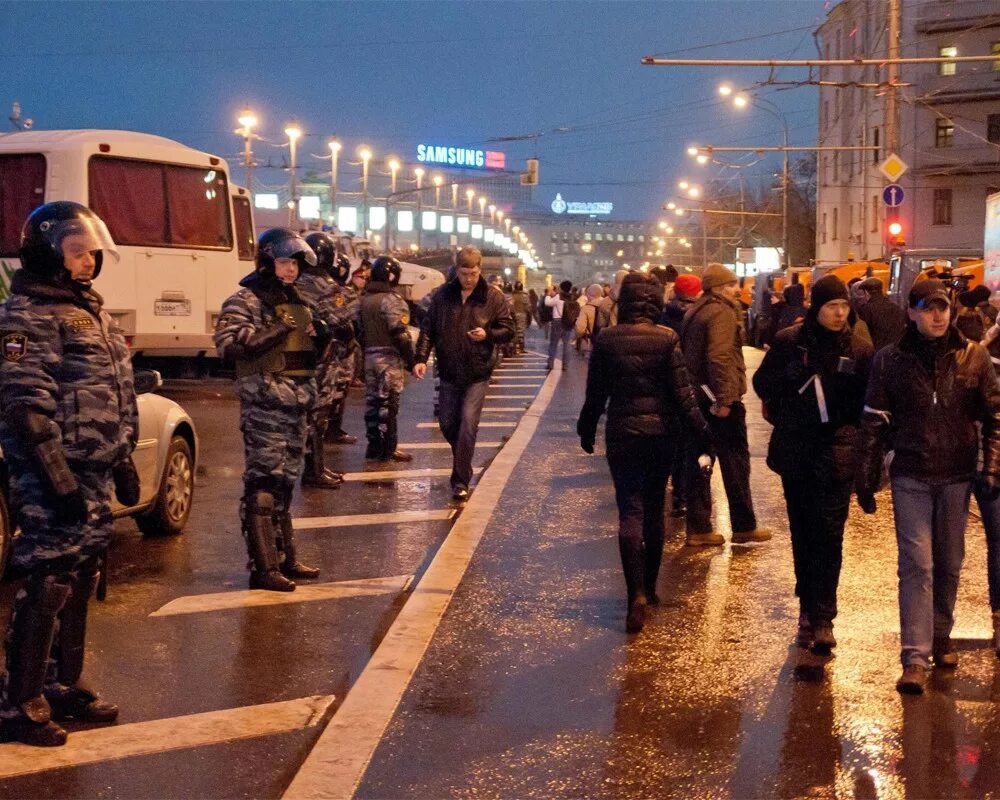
291, 567
315, 473
259, 530
389, 445
633, 565
26, 712
68, 697
335, 433
376, 441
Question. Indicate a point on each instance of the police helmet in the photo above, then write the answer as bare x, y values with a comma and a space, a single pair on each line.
387, 269
277, 243
342, 269
325, 248
59, 229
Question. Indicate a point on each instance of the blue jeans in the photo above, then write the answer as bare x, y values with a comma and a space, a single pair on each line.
459, 409
930, 534
559, 334
990, 512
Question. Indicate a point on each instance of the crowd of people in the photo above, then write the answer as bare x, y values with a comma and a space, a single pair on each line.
860, 393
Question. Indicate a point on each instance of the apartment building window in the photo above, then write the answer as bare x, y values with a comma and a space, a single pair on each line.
835, 223
947, 67
993, 128
822, 230
944, 132
995, 50
942, 206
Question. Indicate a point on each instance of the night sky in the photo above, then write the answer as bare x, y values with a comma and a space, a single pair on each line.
392, 75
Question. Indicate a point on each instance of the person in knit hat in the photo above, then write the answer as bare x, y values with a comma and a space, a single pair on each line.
812, 384
712, 340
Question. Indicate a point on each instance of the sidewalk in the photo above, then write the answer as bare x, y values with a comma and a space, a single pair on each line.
531, 688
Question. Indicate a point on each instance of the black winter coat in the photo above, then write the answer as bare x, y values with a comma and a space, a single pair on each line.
885, 320
801, 440
461, 361
673, 312
923, 402
639, 367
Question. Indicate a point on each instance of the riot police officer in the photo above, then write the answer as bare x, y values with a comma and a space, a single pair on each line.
273, 336
383, 317
68, 430
349, 351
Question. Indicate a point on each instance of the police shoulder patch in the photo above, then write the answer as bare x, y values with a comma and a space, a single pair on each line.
14, 346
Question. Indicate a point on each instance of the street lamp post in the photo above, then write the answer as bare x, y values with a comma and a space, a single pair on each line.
293, 132
334, 153
454, 196
366, 155
419, 172
247, 120
482, 208
438, 180
393, 169
470, 195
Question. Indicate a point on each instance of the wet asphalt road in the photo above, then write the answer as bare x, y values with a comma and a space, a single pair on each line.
530, 687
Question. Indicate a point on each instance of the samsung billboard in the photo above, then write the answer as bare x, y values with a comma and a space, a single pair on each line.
461, 157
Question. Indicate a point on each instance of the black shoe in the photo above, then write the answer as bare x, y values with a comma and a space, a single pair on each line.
399, 455
945, 655
296, 569
636, 617
460, 494
913, 680
272, 581
823, 640
679, 509
328, 480
804, 634
73, 702
341, 437
652, 598
36, 734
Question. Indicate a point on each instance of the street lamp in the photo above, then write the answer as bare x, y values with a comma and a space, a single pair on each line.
470, 195
493, 214
334, 155
482, 207
247, 120
293, 132
454, 196
419, 173
366, 155
438, 180
393, 169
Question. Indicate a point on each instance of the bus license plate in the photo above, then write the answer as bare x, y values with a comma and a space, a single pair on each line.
172, 308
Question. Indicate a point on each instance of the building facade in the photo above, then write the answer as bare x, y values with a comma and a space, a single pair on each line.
949, 128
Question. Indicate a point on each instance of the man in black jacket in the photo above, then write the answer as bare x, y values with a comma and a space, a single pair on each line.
885, 320
926, 395
465, 324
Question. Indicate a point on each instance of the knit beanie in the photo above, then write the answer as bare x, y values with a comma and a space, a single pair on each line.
687, 285
824, 291
594, 291
716, 275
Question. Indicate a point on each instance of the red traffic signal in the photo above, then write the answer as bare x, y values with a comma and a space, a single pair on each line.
894, 234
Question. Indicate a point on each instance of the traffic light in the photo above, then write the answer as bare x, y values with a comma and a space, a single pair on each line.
530, 176
894, 234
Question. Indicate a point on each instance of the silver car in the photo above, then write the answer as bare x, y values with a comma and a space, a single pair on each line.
165, 457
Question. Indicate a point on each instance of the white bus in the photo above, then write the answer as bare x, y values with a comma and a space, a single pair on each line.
185, 233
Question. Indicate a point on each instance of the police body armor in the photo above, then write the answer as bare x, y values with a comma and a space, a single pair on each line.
373, 323
295, 357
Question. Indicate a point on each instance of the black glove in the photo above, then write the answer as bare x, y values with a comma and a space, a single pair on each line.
126, 482
988, 486
71, 509
587, 443
867, 502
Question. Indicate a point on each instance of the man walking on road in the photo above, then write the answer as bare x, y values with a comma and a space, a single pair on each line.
712, 340
565, 310
466, 323
925, 396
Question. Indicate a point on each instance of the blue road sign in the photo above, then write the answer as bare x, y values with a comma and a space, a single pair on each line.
893, 195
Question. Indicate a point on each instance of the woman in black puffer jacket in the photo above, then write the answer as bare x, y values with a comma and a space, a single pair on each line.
638, 366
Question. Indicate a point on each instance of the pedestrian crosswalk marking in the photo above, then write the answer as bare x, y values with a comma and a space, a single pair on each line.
481, 424
440, 445
502, 409
514, 385
165, 735
401, 474
304, 593
509, 396
391, 518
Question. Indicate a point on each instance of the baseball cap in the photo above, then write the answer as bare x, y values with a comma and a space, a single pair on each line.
926, 292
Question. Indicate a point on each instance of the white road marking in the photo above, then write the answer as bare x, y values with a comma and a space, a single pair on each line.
509, 396
514, 385
164, 735
304, 593
391, 518
400, 474
343, 751
502, 409
440, 445
481, 424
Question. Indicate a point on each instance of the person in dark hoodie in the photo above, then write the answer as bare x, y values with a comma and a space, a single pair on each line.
885, 320
637, 365
794, 311
812, 383
270, 332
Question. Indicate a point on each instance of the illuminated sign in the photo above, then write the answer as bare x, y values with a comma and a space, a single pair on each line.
461, 157
560, 206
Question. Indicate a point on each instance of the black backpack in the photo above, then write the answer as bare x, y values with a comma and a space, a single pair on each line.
571, 310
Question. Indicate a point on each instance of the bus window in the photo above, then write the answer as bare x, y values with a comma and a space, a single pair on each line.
895, 267
22, 189
244, 228
161, 205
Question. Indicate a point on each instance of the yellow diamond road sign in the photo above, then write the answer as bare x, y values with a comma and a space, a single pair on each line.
893, 167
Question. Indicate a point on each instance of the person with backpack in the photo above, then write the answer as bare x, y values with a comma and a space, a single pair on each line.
544, 313
586, 321
565, 311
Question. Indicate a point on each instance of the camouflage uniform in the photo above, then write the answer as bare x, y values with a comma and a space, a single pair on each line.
383, 317
65, 379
